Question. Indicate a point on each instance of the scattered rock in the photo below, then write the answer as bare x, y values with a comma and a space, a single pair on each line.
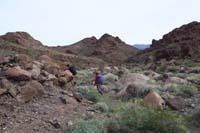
35, 72
24, 61
4, 60
55, 123
2, 91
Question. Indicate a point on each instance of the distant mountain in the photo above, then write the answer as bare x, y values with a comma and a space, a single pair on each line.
141, 46
108, 48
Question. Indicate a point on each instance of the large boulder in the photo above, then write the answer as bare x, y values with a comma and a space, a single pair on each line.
176, 80
134, 77
153, 99
18, 74
176, 103
24, 61
29, 91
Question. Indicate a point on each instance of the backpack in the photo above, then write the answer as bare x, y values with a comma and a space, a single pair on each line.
100, 79
73, 70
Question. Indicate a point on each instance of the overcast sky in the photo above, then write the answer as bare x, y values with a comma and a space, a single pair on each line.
62, 22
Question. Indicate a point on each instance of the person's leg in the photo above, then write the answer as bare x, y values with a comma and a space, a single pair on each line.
99, 89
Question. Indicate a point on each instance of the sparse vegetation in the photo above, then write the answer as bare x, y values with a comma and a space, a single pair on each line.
90, 94
92, 126
138, 118
183, 90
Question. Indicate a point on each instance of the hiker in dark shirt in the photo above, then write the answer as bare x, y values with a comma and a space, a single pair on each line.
72, 69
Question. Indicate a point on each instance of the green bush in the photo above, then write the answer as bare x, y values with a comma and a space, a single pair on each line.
84, 77
138, 118
183, 90
173, 69
101, 106
92, 126
110, 78
89, 94
196, 118
162, 68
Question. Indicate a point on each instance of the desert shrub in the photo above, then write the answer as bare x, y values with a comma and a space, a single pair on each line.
183, 90
101, 106
195, 118
89, 94
110, 78
173, 69
117, 86
138, 118
92, 126
192, 64
195, 77
162, 68
32, 53
84, 77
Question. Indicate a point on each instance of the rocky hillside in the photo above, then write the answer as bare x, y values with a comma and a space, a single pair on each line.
109, 48
14, 43
22, 38
181, 43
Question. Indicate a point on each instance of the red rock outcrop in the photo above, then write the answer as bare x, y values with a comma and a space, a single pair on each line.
22, 38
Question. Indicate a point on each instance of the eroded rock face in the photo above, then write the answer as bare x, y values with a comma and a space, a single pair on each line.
29, 91
22, 38
18, 74
154, 99
180, 43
